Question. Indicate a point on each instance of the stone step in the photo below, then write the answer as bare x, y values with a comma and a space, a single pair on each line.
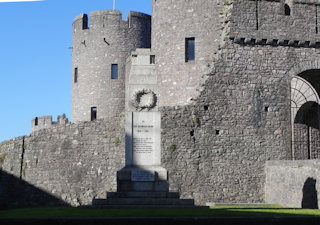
142, 201
161, 194
136, 186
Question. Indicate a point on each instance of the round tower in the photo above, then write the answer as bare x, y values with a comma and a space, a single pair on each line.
185, 37
99, 55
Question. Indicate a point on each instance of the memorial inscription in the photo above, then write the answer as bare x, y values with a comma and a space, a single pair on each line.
140, 175
143, 140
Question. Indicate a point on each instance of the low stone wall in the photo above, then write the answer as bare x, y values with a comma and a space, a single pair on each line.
66, 164
293, 183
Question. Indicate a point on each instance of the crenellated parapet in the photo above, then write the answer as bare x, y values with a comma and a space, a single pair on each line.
45, 122
101, 44
106, 18
278, 22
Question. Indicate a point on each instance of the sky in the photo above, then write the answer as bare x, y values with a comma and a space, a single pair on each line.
35, 58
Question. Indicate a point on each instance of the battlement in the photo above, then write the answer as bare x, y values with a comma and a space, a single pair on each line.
106, 18
44, 122
278, 22
105, 43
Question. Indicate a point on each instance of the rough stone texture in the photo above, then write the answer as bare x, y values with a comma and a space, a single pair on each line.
74, 163
44, 122
216, 147
265, 21
291, 183
172, 22
109, 40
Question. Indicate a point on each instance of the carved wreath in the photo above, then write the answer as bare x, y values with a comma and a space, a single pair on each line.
144, 99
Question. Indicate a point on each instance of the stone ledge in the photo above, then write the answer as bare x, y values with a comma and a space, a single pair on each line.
159, 194
142, 201
275, 42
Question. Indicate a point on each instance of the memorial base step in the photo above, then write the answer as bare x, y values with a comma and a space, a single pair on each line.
161, 194
145, 186
143, 201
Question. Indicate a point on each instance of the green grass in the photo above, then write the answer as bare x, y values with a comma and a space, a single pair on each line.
69, 212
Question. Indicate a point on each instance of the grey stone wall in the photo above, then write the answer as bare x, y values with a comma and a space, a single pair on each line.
265, 22
44, 122
215, 149
71, 163
293, 183
172, 22
10, 156
108, 40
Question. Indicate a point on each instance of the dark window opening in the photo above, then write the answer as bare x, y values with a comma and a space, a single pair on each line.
287, 10
206, 107
190, 49
36, 121
75, 75
93, 113
266, 109
85, 22
192, 133
152, 59
217, 132
114, 71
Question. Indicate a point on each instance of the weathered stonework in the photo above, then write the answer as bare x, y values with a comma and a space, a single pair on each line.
173, 21
108, 40
73, 163
293, 183
223, 116
44, 122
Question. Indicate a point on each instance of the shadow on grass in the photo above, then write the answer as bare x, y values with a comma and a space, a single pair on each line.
69, 212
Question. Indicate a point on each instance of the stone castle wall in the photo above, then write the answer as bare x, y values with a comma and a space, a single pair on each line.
172, 23
108, 40
293, 183
73, 163
44, 122
214, 148
265, 22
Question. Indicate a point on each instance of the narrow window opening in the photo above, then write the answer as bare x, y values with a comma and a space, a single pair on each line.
217, 132
190, 49
266, 109
152, 59
114, 71
36, 121
75, 75
287, 10
85, 22
206, 108
93, 113
192, 133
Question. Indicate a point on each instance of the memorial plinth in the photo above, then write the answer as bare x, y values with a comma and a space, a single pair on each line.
143, 181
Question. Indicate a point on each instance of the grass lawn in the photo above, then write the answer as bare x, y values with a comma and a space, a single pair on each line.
69, 212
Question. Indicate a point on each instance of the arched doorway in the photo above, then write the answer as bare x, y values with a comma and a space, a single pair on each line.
305, 111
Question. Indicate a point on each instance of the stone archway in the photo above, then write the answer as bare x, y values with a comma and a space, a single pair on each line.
305, 113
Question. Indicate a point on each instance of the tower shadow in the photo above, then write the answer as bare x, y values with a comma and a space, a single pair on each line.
310, 194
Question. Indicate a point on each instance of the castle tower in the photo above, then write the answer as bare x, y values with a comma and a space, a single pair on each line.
185, 38
98, 61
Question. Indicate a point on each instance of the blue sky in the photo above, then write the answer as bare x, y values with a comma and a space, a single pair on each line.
35, 65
